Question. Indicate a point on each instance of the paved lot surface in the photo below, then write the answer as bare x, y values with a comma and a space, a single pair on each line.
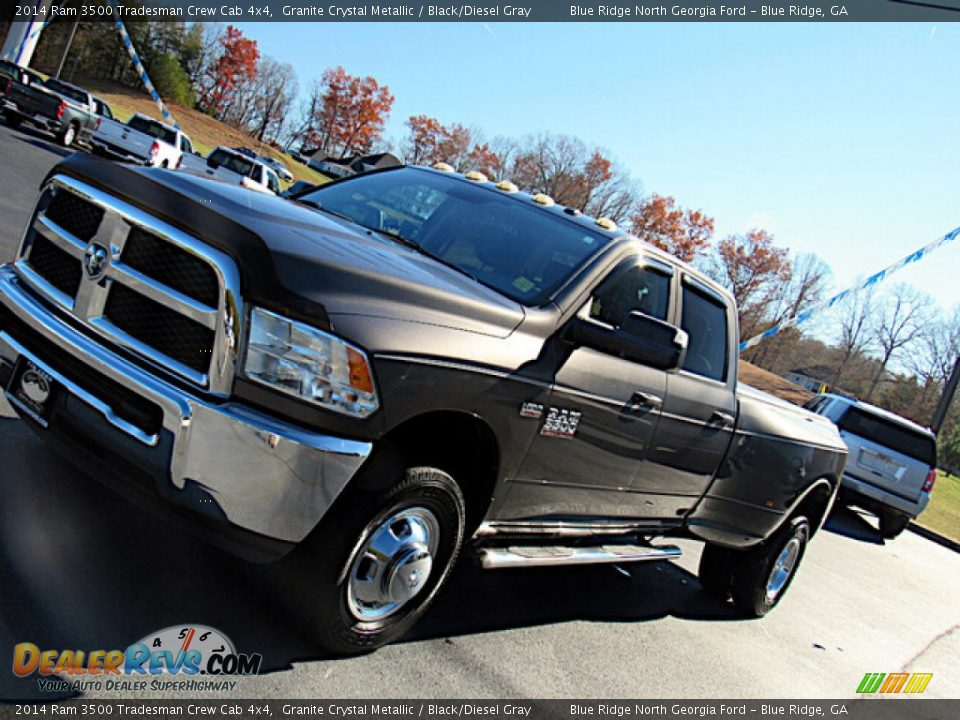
81, 569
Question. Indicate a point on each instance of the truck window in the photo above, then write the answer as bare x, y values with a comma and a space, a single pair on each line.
235, 163
898, 438
67, 91
272, 181
705, 322
504, 243
640, 288
185, 145
154, 129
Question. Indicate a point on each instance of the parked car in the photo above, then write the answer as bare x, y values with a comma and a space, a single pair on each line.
278, 167
141, 140
234, 167
298, 187
396, 369
892, 465
67, 111
300, 157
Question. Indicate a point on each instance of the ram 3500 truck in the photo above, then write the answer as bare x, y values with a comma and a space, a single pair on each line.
396, 368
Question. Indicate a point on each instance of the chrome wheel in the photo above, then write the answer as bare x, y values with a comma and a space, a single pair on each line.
69, 134
783, 568
392, 563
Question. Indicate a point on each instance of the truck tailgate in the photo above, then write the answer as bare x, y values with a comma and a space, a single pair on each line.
32, 102
124, 139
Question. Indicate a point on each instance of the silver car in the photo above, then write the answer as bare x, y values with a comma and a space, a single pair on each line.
891, 467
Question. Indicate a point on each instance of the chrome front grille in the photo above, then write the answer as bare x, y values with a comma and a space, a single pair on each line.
135, 281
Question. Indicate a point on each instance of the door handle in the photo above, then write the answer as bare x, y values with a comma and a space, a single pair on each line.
641, 400
722, 418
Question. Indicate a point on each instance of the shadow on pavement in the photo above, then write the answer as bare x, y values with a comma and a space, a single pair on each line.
82, 569
38, 140
853, 524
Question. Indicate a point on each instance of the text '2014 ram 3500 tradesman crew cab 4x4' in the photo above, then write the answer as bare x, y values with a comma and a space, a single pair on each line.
395, 368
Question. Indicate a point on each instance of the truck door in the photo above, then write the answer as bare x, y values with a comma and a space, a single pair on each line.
601, 413
699, 413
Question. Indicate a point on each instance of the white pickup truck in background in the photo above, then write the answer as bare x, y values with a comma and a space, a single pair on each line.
141, 140
234, 167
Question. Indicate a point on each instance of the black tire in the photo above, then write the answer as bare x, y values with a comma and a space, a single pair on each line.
892, 524
328, 567
753, 593
717, 564
68, 136
12, 120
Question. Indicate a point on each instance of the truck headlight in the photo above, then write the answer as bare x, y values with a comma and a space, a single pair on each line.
308, 363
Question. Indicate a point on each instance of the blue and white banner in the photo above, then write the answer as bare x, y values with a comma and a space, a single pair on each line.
874, 279
144, 78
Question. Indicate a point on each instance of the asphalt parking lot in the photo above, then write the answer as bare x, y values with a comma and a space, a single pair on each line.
81, 569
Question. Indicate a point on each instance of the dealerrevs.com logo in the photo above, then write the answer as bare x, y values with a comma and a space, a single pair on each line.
171, 659
894, 683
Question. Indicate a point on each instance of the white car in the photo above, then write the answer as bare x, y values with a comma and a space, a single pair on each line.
279, 167
142, 140
234, 167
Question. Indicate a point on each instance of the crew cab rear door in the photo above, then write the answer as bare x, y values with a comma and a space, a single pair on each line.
602, 411
699, 412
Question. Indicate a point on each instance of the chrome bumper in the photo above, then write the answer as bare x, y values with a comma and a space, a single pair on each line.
881, 496
266, 476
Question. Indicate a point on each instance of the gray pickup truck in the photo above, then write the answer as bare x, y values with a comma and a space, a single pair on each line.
67, 111
395, 369
893, 461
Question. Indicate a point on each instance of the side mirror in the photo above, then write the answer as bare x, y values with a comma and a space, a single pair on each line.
640, 338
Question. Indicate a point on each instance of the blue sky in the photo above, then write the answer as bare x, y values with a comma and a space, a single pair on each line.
840, 139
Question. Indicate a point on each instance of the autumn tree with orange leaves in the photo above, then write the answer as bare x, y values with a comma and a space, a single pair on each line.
235, 66
348, 114
683, 233
429, 142
755, 271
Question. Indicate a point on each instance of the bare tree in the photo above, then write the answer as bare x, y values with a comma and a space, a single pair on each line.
853, 316
899, 320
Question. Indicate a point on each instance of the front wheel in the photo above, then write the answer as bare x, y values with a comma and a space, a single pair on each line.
13, 120
369, 575
764, 573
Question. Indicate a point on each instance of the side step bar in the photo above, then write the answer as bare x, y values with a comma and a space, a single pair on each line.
540, 556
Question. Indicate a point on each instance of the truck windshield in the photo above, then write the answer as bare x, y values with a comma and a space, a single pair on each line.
154, 129
519, 250
66, 91
894, 436
233, 162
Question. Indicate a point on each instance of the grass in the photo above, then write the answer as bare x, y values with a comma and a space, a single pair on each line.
943, 513
205, 132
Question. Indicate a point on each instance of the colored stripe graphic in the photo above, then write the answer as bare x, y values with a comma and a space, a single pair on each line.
871, 682
874, 279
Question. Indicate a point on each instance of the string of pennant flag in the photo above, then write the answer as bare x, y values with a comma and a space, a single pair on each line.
874, 279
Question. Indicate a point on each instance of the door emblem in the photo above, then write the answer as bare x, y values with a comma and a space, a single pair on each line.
531, 410
95, 260
561, 423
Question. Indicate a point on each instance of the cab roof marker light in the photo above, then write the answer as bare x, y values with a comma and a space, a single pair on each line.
507, 186
606, 223
443, 167
476, 176
543, 199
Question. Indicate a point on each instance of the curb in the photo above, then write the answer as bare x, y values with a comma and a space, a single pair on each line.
935, 537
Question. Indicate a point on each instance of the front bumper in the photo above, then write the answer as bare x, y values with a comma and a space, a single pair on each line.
242, 471
878, 498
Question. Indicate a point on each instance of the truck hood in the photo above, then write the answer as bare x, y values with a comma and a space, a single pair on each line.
349, 270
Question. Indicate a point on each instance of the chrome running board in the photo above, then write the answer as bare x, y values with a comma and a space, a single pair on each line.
542, 556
